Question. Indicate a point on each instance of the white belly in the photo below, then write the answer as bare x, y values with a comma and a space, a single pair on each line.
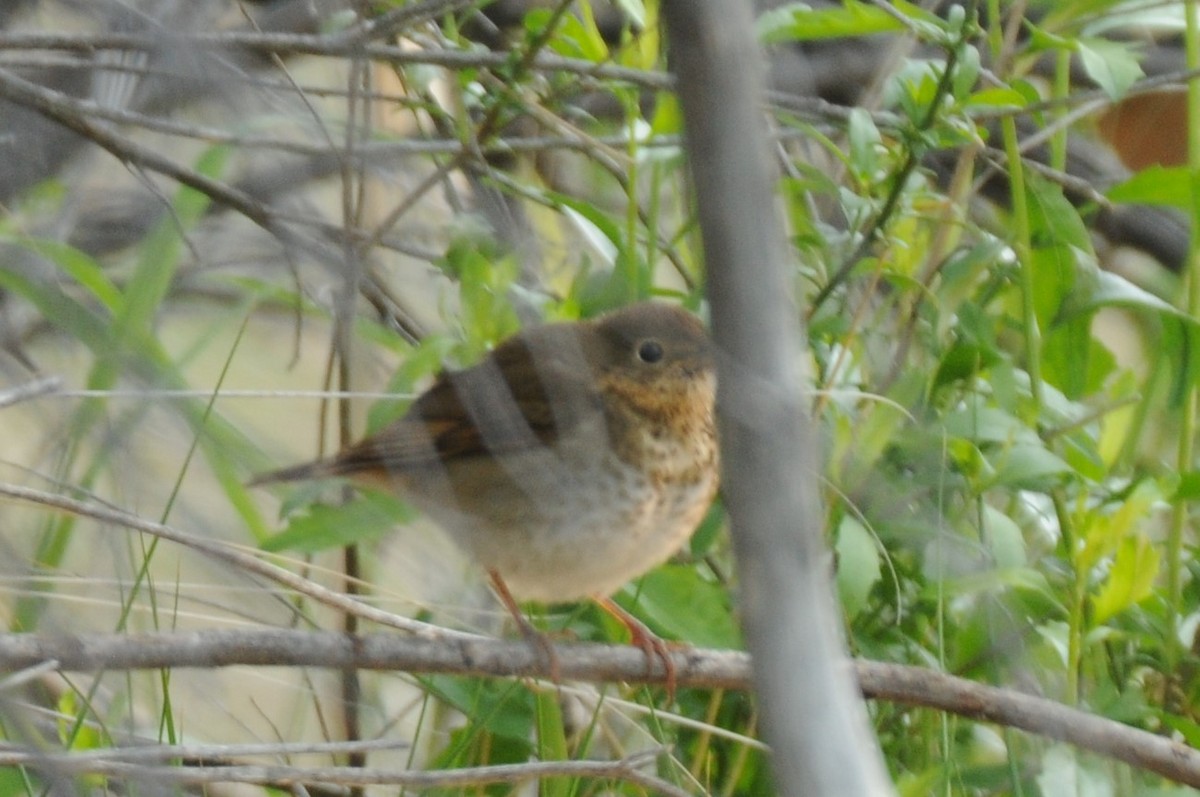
584, 533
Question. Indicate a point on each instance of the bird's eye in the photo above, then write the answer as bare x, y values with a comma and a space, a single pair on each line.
650, 351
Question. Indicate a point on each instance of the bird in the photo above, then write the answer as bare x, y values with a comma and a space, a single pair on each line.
571, 459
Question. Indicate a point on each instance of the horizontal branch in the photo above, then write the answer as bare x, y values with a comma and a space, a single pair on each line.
340, 45
457, 655
916, 686
335, 45
364, 42
283, 776
695, 668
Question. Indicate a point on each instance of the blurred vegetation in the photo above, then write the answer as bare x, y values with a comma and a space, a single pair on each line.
1008, 480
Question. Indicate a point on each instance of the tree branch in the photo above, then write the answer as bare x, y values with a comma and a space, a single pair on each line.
438, 650
811, 715
333, 45
479, 657
282, 776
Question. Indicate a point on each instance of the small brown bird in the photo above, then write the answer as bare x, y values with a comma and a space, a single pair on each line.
573, 458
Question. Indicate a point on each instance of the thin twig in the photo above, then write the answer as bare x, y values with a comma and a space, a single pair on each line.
236, 557
280, 775
46, 385
75, 116
333, 45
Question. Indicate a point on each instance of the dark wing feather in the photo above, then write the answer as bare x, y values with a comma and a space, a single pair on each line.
529, 391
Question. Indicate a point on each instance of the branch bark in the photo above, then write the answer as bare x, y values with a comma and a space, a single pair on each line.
695, 668
811, 715
115, 765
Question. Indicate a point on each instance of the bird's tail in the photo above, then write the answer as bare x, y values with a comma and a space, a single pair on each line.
309, 470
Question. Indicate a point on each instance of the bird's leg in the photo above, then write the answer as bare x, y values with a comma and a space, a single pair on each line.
651, 643
539, 641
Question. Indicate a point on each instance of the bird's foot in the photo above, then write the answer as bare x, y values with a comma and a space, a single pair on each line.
652, 645
541, 643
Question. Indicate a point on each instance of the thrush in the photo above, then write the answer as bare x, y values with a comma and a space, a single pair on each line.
571, 459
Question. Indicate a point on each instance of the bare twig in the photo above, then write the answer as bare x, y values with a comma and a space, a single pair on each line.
32, 389
278, 775
234, 556
75, 116
458, 654
920, 687
333, 45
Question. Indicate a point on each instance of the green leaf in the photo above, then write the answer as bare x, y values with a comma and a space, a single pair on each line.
1082, 450
876, 428
1074, 361
1113, 65
966, 75
983, 424
75, 736
1187, 728
575, 36
1096, 288
1181, 351
865, 146
960, 277
1004, 538
59, 308
79, 265
1027, 467
1060, 243
1131, 578
551, 741
159, 257
1106, 289
1156, 185
677, 603
980, 580
1162, 18
668, 116
610, 233
800, 22
1054, 220
1188, 488
635, 10
994, 99
708, 531
1062, 771
369, 517
858, 569
485, 274
963, 361
1103, 529
503, 708
1055, 269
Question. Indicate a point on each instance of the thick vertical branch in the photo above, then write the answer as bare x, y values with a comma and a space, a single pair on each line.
812, 714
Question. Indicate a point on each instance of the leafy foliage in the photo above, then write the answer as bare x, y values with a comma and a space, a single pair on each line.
1007, 497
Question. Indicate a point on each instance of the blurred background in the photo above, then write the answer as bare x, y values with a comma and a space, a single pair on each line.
235, 235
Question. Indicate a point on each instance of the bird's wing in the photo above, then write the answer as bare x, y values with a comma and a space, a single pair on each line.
524, 396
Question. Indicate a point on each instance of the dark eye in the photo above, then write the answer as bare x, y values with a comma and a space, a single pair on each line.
650, 351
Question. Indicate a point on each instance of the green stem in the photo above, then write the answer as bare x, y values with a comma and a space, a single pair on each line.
915, 151
1076, 609
1022, 245
1187, 430
1021, 241
1062, 90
